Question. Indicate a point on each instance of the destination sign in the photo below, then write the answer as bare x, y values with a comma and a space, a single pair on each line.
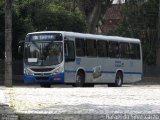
46, 37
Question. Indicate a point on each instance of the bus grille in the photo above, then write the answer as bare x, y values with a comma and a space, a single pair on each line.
42, 69
42, 78
42, 74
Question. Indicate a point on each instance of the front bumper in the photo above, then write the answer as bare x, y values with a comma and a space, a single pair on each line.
31, 79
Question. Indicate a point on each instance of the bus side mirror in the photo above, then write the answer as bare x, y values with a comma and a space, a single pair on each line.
20, 47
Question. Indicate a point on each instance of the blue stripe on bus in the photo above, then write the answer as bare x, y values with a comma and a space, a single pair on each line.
133, 73
110, 72
89, 71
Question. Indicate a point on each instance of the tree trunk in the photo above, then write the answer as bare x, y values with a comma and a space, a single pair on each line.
158, 51
8, 43
93, 18
93, 10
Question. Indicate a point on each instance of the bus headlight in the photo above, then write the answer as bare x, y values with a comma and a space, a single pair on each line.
58, 70
28, 72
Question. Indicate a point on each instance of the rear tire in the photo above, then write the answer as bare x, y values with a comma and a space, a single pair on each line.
118, 80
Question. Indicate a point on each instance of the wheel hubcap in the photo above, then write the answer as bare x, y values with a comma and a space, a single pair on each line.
119, 81
78, 80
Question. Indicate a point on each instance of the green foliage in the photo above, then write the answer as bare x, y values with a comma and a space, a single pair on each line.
40, 15
52, 15
149, 54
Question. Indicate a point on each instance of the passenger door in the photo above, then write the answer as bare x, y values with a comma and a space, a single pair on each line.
69, 54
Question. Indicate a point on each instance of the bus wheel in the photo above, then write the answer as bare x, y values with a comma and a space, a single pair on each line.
118, 79
45, 85
79, 80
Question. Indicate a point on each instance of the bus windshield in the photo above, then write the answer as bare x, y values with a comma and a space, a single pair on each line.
43, 53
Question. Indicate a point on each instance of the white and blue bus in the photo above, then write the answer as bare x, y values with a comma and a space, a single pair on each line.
59, 57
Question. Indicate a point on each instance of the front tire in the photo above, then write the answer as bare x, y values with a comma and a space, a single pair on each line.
80, 79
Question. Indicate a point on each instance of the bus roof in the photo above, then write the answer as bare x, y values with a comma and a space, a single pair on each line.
91, 36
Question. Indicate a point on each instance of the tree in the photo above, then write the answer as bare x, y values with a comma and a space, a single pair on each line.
2, 27
94, 11
158, 51
37, 15
8, 43
140, 21
143, 17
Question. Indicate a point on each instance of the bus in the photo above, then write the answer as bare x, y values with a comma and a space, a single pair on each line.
60, 57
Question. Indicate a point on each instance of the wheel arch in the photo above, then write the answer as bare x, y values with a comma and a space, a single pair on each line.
120, 71
81, 70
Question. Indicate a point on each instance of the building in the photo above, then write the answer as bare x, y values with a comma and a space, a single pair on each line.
112, 18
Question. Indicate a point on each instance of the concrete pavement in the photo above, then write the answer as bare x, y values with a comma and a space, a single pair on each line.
6, 112
68, 103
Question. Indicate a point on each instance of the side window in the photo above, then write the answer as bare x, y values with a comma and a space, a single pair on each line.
134, 51
124, 50
113, 49
102, 48
91, 48
69, 51
80, 47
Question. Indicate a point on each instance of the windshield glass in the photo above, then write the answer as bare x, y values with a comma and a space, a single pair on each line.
43, 53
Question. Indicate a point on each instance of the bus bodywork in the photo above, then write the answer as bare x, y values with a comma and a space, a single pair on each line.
57, 57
